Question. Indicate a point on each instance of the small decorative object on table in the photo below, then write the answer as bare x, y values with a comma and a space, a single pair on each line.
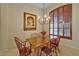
43, 34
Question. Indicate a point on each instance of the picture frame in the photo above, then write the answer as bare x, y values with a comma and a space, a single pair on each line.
30, 21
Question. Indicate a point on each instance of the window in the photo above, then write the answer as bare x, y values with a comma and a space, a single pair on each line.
60, 23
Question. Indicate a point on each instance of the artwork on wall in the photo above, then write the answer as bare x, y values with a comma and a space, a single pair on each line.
29, 21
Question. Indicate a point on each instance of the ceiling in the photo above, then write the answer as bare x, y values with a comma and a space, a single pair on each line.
40, 5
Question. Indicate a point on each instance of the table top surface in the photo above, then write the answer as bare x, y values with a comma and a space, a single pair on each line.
36, 42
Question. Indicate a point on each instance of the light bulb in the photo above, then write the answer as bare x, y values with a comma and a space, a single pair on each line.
45, 16
38, 17
49, 17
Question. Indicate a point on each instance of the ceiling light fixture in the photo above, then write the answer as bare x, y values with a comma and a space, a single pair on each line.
44, 20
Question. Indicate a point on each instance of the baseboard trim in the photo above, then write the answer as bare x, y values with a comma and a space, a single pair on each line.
72, 47
7, 49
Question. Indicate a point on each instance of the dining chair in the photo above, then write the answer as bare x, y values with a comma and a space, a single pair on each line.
23, 49
46, 50
54, 44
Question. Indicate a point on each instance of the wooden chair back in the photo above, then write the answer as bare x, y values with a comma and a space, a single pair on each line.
23, 50
55, 41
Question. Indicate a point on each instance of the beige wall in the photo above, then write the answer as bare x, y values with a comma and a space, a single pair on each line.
4, 24
0, 24
12, 23
74, 43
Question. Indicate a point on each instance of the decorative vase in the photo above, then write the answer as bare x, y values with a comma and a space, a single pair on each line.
43, 34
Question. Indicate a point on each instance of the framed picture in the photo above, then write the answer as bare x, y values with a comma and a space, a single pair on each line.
29, 21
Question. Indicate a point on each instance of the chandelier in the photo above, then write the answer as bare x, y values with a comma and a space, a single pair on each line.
45, 19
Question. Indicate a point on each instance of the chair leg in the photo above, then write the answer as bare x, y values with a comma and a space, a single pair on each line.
56, 51
51, 54
40, 53
46, 54
30, 54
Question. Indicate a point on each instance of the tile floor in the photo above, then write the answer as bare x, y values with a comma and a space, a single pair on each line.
64, 51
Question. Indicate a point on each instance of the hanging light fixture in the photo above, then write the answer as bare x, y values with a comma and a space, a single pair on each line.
44, 20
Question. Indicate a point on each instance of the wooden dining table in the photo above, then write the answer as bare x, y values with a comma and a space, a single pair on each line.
37, 43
